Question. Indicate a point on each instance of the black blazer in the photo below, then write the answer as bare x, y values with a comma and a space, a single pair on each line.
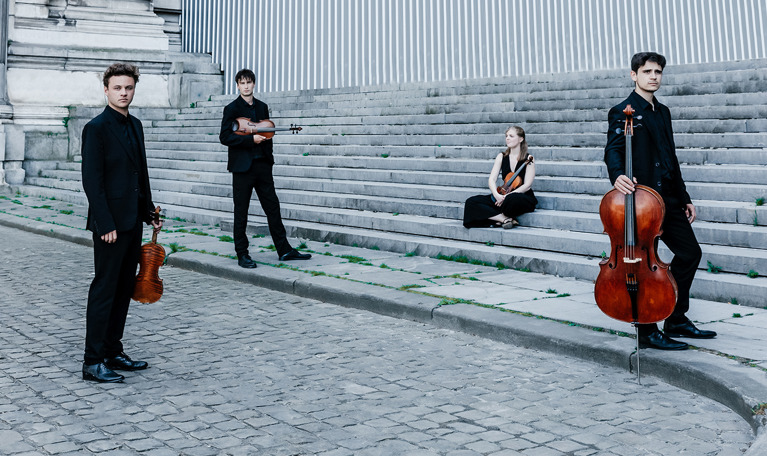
644, 149
242, 149
111, 175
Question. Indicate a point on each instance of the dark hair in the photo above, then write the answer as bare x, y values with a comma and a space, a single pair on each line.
121, 69
245, 74
640, 58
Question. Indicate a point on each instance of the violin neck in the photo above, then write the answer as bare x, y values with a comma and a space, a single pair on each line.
510, 181
273, 129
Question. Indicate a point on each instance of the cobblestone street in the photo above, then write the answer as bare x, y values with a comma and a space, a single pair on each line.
240, 370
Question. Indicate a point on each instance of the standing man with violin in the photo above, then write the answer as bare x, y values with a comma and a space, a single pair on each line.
250, 162
116, 182
655, 165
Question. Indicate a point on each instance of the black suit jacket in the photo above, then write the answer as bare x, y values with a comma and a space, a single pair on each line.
242, 149
111, 175
646, 159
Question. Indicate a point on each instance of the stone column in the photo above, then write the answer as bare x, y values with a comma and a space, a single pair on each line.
5, 109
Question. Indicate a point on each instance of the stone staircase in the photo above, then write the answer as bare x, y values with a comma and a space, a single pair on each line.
390, 167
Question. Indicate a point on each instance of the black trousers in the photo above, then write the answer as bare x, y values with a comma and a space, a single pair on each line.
680, 239
478, 209
110, 293
258, 178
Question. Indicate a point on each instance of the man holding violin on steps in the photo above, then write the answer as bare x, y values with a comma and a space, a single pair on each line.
655, 165
250, 162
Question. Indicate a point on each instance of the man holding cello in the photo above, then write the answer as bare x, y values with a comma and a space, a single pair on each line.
656, 166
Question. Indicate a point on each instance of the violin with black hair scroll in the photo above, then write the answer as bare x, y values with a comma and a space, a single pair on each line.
148, 288
634, 285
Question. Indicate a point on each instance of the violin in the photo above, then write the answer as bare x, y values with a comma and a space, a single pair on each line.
513, 180
244, 127
633, 284
148, 288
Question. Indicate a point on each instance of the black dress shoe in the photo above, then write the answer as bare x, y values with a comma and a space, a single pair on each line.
294, 255
657, 339
686, 329
123, 362
101, 373
245, 261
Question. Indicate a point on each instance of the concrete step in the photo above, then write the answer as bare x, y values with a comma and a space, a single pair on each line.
674, 83
692, 73
746, 193
206, 134
478, 244
582, 194
576, 222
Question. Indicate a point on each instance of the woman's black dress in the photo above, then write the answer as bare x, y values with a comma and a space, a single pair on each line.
478, 209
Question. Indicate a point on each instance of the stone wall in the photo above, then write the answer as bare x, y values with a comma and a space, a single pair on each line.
57, 51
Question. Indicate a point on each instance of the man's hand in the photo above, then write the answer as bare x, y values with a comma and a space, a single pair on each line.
624, 185
157, 225
110, 238
689, 211
258, 139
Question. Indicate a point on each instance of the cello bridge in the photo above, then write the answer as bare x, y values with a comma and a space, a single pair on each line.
631, 260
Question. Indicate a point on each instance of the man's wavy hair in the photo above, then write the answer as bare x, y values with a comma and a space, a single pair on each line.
640, 58
121, 69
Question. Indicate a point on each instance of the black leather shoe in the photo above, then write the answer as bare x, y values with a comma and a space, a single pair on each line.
101, 373
245, 261
686, 329
123, 362
660, 341
294, 255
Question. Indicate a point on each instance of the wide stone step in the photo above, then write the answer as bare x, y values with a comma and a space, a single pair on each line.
712, 115
740, 81
198, 134
691, 73
456, 186
730, 259
376, 231
745, 193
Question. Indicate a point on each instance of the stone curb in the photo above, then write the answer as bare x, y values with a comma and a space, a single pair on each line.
726, 381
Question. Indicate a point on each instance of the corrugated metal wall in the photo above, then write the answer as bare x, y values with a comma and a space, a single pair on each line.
305, 44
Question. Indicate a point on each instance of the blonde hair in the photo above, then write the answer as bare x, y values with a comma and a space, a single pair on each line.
522, 146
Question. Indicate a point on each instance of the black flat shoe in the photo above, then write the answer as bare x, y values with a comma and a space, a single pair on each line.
245, 261
294, 255
686, 329
660, 341
123, 362
101, 373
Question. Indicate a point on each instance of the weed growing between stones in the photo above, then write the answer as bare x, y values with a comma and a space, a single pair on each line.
712, 268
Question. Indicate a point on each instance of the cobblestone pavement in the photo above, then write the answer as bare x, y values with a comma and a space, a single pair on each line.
239, 370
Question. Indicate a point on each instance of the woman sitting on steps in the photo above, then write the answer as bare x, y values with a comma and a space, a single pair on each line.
497, 209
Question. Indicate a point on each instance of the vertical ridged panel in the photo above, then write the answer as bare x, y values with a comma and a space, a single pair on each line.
306, 44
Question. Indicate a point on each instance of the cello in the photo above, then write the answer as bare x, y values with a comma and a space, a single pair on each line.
634, 285
148, 288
